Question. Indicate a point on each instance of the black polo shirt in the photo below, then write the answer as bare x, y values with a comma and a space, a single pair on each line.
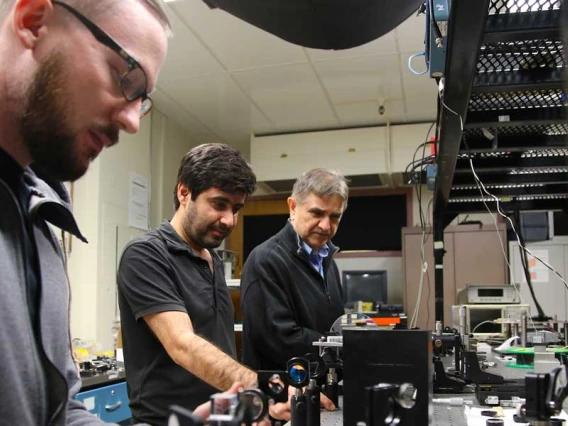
158, 272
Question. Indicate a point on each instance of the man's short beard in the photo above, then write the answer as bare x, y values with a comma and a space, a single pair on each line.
197, 230
44, 125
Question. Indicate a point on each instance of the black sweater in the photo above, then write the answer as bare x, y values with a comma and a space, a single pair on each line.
286, 304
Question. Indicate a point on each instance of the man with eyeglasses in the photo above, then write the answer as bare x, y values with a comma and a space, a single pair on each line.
72, 75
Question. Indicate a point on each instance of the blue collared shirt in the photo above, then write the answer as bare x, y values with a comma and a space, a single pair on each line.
317, 256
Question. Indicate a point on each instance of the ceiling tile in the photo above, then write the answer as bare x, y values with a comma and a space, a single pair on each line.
237, 137
259, 122
307, 115
225, 79
383, 45
410, 34
282, 78
361, 79
288, 95
170, 107
187, 57
237, 44
217, 102
416, 103
421, 84
420, 117
357, 114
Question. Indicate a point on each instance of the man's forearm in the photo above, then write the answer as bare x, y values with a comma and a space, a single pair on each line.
212, 365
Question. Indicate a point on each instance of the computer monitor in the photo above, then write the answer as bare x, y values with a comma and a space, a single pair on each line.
368, 286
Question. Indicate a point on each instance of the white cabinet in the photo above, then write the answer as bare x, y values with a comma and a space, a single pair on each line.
351, 151
550, 291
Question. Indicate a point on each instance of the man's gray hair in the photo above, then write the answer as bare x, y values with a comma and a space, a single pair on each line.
322, 183
94, 7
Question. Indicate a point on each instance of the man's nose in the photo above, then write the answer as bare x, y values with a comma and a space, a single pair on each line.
228, 219
127, 116
325, 224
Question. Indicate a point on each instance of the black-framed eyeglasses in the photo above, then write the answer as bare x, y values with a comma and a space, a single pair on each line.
133, 82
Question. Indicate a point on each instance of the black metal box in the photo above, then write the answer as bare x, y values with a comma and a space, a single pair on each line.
372, 356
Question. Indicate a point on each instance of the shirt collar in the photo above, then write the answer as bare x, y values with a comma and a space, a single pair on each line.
175, 242
322, 252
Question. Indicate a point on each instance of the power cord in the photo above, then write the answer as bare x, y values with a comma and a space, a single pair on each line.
420, 164
483, 190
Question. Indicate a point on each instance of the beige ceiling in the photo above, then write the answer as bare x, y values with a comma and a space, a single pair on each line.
224, 79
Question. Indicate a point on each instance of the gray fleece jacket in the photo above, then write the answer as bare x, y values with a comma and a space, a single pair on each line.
38, 379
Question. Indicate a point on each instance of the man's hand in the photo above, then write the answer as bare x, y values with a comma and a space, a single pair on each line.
283, 410
326, 403
204, 410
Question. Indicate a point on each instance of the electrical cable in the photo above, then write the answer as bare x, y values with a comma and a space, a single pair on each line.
411, 167
479, 185
418, 190
439, 39
483, 322
482, 189
516, 233
410, 64
525, 264
419, 187
505, 256
429, 228
423, 270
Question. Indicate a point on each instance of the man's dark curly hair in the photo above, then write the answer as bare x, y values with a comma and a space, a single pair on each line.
214, 165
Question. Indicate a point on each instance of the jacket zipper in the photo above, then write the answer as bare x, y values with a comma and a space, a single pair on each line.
47, 360
335, 250
58, 373
329, 302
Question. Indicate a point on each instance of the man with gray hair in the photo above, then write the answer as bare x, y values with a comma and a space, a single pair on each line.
73, 74
290, 287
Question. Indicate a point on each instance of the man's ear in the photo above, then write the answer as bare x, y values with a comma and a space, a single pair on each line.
29, 19
292, 205
183, 194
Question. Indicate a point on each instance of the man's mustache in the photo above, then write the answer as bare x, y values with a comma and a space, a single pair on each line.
220, 228
111, 132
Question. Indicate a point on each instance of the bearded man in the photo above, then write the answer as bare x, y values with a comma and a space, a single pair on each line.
72, 75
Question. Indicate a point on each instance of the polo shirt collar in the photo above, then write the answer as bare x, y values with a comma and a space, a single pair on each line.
175, 242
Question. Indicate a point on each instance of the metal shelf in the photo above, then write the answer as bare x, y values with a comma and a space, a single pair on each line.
504, 108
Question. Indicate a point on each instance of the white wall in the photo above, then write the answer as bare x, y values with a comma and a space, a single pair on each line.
426, 196
169, 145
101, 208
393, 266
82, 257
550, 291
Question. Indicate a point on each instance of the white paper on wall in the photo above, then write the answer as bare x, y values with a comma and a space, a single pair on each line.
138, 202
539, 272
